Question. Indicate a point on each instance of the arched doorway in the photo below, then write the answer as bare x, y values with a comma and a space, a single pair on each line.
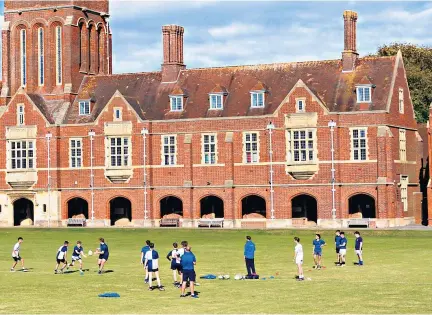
254, 204
364, 204
212, 205
171, 205
305, 206
120, 208
78, 208
23, 211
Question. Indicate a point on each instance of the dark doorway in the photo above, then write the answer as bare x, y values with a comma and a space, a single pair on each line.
171, 205
120, 208
212, 205
364, 204
305, 206
253, 204
23, 210
77, 207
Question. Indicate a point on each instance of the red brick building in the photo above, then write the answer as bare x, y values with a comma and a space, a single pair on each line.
201, 135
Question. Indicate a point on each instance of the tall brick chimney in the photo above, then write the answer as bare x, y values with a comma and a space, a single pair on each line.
172, 52
349, 55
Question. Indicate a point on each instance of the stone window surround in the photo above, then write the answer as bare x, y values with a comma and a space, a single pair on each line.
290, 146
163, 146
404, 180
303, 99
402, 145
216, 149
401, 101
120, 111
108, 152
351, 129
76, 156
244, 147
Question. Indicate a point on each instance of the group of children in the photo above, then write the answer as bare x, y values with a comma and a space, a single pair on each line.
318, 244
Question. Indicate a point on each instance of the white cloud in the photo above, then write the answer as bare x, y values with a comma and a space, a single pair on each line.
235, 29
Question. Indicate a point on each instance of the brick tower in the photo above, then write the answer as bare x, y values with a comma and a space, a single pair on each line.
48, 46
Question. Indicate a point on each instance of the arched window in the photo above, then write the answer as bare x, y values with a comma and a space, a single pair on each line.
98, 39
23, 57
59, 62
89, 47
80, 44
41, 74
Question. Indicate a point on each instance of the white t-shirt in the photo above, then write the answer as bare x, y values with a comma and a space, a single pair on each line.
181, 252
16, 250
61, 253
299, 251
176, 255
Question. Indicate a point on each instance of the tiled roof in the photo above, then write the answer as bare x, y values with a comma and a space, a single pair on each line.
150, 98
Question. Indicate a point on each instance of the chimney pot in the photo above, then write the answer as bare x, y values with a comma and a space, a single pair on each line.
172, 38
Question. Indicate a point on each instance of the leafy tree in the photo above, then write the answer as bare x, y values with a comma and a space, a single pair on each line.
418, 66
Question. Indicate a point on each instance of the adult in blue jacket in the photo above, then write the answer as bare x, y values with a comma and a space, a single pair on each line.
249, 255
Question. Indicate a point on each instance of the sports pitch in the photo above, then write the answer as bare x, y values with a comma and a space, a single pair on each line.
396, 278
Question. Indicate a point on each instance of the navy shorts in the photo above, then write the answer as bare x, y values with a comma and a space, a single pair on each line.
189, 275
319, 253
16, 258
104, 258
61, 261
337, 250
176, 266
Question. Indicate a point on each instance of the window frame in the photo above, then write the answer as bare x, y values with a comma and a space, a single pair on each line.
363, 87
298, 100
23, 56
176, 97
80, 113
401, 101
217, 96
115, 111
402, 145
203, 149
257, 94
27, 158
122, 154
255, 152
59, 54
170, 154
77, 157
291, 146
404, 183
41, 56
359, 148
20, 115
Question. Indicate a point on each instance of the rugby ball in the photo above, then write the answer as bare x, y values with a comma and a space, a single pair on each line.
90, 253
238, 277
221, 277
226, 277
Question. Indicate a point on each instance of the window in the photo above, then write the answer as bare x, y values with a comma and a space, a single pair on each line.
250, 142
359, 149
58, 33
84, 108
41, 56
257, 99
176, 103
75, 153
119, 148
300, 105
363, 94
168, 150
117, 114
44, 207
401, 101
216, 101
22, 155
404, 191
402, 144
20, 115
23, 50
301, 146
209, 149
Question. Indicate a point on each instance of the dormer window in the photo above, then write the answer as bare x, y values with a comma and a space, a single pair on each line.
176, 103
216, 101
300, 105
84, 108
257, 99
364, 94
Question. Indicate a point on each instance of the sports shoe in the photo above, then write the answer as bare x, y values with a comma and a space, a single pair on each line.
300, 279
161, 288
150, 289
55, 271
182, 296
100, 272
194, 296
12, 270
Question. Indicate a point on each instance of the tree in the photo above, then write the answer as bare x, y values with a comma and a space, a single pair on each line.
418, 66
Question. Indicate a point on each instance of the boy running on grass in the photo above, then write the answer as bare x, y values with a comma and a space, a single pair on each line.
337, 240
61, 257
103, 253
152, 263
174, 257
16, 255
359, 247
144, 251
78, 251
342, 248
298, 258
318, 244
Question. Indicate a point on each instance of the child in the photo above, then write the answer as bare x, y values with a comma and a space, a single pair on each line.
144, 250
152, 263
359, 247
16, 255
318, 244
342, 248
298, 258
174, 257
61, 257
337, 239
103, 253
78, 251
188, 263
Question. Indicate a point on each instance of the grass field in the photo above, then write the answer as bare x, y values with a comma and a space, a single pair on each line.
396, 278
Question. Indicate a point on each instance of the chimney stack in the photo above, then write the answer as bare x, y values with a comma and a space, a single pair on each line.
349, 55
172, 52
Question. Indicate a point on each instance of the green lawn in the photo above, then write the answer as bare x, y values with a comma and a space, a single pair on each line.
396, 278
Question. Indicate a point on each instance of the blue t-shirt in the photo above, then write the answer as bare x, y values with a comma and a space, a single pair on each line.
187, 261
358, 244
104, 248
317, 245
62, 252
343, 243
144, 250
77, 251
337, 240
249, 250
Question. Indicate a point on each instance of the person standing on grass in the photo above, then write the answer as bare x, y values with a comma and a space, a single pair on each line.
144, 251
174, 257
78, 251
188, 262
249, 255
298, 258
16, 255
337, 240
61, 257
103, 253
152, 263
342, 248
359, 247
318, 244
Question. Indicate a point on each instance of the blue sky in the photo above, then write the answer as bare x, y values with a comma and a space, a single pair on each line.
251, 32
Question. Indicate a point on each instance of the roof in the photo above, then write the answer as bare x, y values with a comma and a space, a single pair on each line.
150, 97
